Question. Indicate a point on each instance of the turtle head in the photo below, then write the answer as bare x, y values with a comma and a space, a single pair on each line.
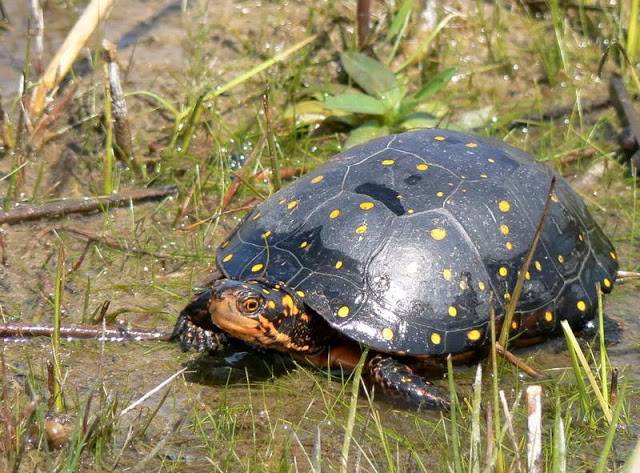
264, 314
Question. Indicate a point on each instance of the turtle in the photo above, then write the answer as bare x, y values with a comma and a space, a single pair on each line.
403, 245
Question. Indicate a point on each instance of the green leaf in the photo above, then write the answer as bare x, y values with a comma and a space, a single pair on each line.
306, 112
374, 77
364, 133
356, 103
438, 82
419, 120
400, 20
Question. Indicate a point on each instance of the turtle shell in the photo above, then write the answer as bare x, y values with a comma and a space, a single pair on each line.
401, 243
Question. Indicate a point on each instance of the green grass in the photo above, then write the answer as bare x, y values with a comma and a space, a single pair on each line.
263, 413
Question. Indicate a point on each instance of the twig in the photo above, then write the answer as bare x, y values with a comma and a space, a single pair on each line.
622, 102
93, 14
148, 394
50, 117
363, 21
121, 128
82, 205
534, 424
518, 362
560, 111
517, 290
271, 143
36, 27
20, 330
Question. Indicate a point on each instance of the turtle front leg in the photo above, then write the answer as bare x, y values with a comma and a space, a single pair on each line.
194, 329
401, 384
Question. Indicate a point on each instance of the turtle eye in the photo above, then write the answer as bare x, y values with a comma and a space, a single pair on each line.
250, 305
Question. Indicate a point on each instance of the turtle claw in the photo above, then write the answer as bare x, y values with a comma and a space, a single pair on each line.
194, 330
191, 337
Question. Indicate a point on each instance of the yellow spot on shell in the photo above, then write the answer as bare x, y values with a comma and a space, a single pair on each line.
257, 267
561, 258
581, 306
343, 311
527, 275
317, 179
447, 274
481, 285
266, 291
471, 145
410, 211
304, 244
509, 245
439, 138
548, 316
271, 305
224, 244
504, 206
613, 255
387, 333
388, 162
507, 296
266, 234
452, 311
514, 325
474, 335
227, 258
606, 282
438, 234
436, 338
503, 271
440, 194
361, 229
422, 167
538, 265
504, 229
338, 264
292, 205
367, 205
300, 293
335, 213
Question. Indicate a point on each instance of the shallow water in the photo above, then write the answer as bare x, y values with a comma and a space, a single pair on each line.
242, 408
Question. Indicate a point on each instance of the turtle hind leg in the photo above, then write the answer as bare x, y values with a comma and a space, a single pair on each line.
398, 382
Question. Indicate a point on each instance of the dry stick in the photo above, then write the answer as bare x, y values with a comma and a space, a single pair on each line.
36, 29
48, 118
82, 205
363, 21
19, 330
271, 143
534, 424
150, 393
613, 390
560, 111
517, 290
512, 434
121, 128
518, 362
93, 14
627, 113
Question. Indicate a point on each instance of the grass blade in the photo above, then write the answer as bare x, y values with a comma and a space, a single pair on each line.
573, 342
351, 418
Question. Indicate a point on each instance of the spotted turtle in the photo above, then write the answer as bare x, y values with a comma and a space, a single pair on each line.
401, 245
